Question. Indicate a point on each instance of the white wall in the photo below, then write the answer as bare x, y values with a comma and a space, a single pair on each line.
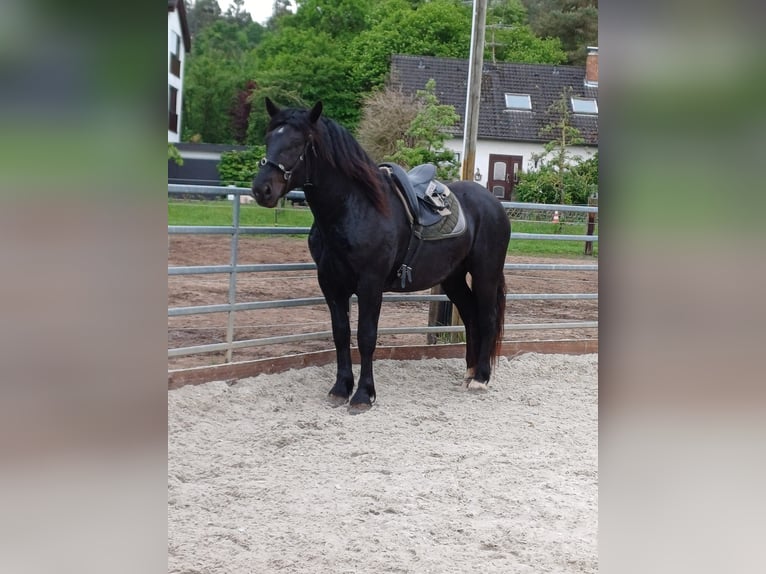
486, 147
174, 27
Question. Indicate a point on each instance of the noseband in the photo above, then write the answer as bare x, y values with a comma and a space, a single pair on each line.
288, 173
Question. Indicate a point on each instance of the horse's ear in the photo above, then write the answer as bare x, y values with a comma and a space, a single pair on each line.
271, 107
315, 112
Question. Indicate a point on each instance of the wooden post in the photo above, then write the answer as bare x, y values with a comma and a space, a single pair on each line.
435, 311
592, 200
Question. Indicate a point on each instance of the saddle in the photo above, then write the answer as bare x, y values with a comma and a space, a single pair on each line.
432, 209
426, 197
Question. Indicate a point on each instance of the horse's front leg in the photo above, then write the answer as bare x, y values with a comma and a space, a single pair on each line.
337, 299
369, 301
341, 334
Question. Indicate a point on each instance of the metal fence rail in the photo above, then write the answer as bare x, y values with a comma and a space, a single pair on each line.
245, 343
261, 267
307, 301
237, 191
233, 269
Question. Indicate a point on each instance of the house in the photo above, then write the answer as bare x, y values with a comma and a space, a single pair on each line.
513, 109
179, 44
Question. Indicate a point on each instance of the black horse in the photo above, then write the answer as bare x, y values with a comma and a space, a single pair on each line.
362, 241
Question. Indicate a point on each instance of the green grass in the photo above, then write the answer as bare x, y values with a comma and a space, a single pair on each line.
182, 212
549, 247
220, 213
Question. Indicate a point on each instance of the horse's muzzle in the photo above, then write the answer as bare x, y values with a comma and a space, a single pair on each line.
265, 195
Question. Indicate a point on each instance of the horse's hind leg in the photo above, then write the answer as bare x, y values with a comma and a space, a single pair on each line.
456, 288
487, 288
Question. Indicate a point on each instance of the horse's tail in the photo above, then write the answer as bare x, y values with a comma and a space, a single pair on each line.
500, 328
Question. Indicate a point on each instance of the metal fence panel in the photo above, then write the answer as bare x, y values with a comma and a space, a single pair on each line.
233, 268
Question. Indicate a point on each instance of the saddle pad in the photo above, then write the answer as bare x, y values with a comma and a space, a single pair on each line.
450, 226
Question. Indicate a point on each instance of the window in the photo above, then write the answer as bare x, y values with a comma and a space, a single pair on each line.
518, 102
584, 106
175, 60
498, 170
172, 110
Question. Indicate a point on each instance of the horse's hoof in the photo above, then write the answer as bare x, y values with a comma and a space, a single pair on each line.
359, 408
469, 373
475, 385
336, 400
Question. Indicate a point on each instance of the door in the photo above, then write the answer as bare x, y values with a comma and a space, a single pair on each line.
503, 176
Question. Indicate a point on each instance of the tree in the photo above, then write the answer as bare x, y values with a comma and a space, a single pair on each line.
386, 118
237, 13
334, 50
424, 139
228, 38
201, 14
519, 44
437, 28
510, 39
214, 76
279, 9
507, 12
574, 22
338, 18
210, 86
299, 67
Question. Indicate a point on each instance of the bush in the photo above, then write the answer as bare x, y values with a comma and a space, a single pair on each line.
240, 167
541, 186
447, 168
174, 154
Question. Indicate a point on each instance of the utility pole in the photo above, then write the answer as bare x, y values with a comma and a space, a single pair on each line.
470, 134
475, 65
492, 44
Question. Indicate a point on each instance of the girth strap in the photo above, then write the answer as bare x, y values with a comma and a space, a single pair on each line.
405, 269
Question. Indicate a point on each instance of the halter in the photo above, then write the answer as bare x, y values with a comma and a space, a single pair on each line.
288, 173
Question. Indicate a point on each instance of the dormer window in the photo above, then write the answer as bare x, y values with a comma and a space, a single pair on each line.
518, 102
585, 106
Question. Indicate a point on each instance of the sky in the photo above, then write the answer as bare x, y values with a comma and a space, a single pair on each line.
260, 10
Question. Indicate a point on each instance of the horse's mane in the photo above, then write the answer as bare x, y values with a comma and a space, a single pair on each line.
335, 145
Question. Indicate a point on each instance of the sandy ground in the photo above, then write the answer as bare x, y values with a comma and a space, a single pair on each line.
213, 289
265, 476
